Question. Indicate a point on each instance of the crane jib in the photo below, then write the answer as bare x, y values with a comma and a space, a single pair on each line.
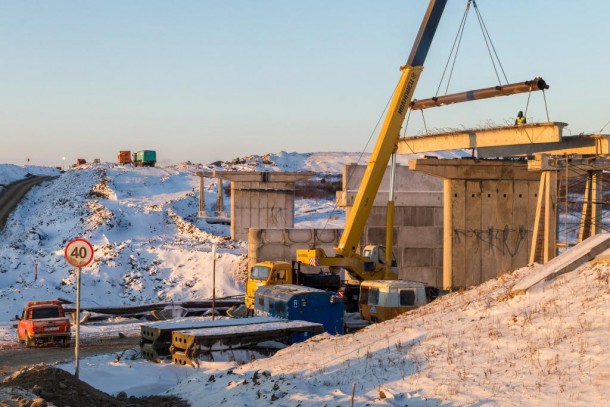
404, 101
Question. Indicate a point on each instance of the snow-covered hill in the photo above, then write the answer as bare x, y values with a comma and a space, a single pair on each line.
149, 244
481, 347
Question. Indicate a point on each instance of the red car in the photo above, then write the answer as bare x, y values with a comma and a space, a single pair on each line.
43, 322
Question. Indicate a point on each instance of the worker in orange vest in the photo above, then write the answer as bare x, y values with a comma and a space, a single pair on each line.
520, 119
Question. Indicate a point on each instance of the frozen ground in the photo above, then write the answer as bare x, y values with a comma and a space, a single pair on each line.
481, 347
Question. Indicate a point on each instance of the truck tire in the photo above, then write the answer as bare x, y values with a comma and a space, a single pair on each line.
29, 341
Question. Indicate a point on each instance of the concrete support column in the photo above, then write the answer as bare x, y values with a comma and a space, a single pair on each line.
220, 202
550, 217
447, 235
591, 216
596, 202
201, 212
536, 244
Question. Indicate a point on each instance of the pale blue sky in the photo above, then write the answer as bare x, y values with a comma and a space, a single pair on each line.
214, 80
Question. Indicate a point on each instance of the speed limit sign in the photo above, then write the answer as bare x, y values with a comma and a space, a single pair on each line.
79, 252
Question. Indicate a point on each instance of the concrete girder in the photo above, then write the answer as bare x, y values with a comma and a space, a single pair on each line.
598, 145
262, 176
474, 169
498, 136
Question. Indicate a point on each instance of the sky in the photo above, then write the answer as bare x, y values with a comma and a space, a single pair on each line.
215, 80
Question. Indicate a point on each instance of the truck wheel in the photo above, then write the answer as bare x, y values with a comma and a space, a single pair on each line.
65, 343
29, 341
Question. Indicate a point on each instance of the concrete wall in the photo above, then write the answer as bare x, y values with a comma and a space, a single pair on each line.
492, 228
418, 220
282, 244
260, 205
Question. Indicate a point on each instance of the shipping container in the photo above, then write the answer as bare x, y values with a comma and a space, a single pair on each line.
145, 158
295, 302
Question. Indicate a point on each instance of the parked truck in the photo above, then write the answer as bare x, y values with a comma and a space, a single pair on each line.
145, 158
124, 157
282, 272
381, 300
43, 322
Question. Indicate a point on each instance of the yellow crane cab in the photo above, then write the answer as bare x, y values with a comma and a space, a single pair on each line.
377, 253
381, 300
267, 273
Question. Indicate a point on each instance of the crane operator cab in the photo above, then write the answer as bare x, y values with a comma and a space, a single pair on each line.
377, 254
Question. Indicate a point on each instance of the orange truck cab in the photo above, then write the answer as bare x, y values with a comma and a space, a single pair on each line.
43, 322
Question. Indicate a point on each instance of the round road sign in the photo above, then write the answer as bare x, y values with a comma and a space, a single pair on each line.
79, 252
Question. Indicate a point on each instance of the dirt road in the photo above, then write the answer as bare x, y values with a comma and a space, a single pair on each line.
16, 356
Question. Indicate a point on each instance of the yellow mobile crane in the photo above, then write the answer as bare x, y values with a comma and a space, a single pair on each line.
375, 262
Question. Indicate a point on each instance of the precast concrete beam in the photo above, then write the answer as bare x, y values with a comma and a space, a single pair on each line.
491, 137
475, 169
598, 145
401, 198
262, 176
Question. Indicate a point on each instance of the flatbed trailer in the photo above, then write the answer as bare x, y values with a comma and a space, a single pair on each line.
188, 345
156, 338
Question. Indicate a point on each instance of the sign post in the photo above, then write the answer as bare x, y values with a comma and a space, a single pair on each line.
214, 281
78, 253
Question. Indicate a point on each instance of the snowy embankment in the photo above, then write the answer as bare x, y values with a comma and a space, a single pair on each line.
478, 347
10, 173
149, 244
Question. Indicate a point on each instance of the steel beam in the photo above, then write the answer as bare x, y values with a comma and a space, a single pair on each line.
491, 137
486, 93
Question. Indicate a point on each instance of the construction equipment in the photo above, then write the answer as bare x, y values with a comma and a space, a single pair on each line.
385, 299
486, 93
281, 272
295, 302
375, 262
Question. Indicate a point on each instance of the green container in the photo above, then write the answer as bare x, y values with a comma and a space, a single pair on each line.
146, 157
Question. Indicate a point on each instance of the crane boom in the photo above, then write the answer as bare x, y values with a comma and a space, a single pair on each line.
384, 147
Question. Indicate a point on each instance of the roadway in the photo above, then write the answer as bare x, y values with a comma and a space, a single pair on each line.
11, 195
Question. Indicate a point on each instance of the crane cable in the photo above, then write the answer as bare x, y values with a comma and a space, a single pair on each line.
457, 41
489, 42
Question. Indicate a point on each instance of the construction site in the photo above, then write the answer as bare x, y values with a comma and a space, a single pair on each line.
457, 266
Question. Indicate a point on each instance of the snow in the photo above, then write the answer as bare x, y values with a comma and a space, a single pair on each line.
483, 346
10, 173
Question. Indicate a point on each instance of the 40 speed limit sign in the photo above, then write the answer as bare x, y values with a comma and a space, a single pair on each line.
79, 252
